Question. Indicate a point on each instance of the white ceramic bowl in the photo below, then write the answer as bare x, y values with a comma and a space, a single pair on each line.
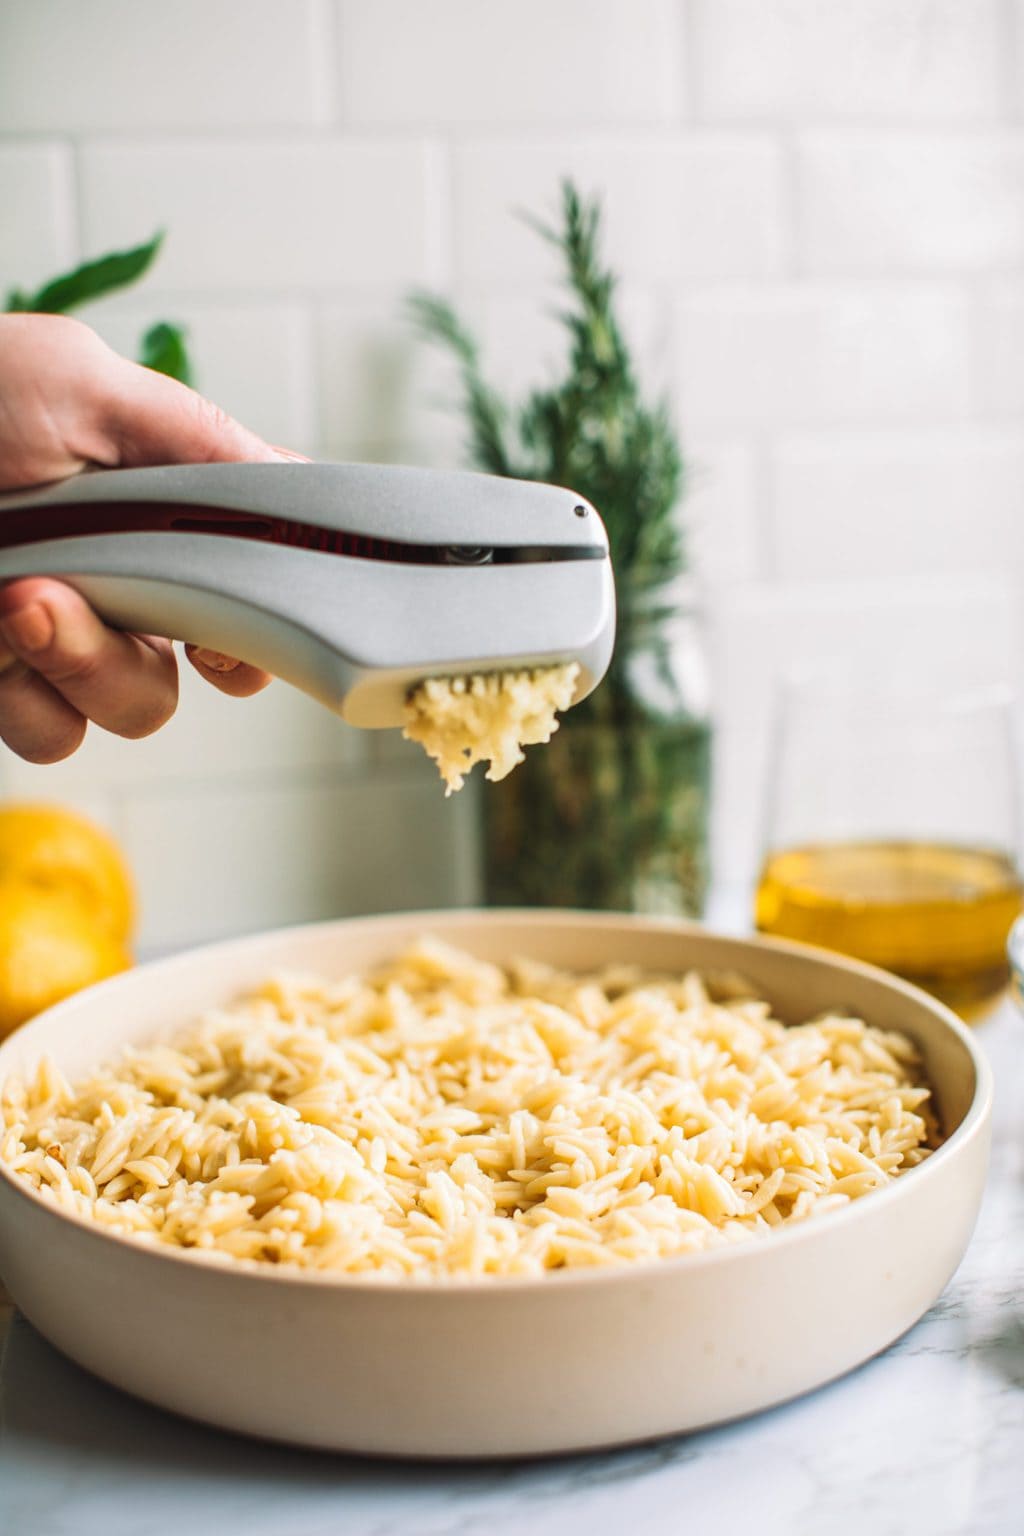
572, 1360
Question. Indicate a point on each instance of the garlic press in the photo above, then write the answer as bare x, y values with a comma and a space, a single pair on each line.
353, 582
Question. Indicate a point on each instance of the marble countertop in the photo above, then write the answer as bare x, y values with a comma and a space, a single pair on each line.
927, 1437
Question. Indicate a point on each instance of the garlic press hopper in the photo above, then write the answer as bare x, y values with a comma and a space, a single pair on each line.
353, 582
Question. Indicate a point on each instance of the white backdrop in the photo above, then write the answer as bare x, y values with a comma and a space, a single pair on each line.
817, 207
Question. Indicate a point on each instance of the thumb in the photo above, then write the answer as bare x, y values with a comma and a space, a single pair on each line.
148, 418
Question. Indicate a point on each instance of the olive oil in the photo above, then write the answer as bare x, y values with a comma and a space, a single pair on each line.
937, 914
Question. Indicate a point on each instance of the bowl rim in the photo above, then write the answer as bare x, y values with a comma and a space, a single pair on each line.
203, 1261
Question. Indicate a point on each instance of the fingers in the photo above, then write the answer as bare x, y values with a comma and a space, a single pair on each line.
60, 667
67, 401
236, 678
151, 419
126, 683
35, 722
48, 368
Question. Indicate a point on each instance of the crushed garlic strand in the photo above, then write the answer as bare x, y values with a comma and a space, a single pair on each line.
460, 721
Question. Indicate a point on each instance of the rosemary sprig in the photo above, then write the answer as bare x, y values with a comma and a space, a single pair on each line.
593, 430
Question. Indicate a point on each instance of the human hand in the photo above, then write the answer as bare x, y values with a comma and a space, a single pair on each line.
67, 402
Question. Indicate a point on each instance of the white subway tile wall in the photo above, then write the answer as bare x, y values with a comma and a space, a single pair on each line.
909, 504
121, 66
874, 203
300, 214
897, 60
817, 211
819, 355
37, 230
683, 205
456, 63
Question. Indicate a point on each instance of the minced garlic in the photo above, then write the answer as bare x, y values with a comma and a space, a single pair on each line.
490, 717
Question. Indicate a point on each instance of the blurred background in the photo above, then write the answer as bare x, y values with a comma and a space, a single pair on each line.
816, 211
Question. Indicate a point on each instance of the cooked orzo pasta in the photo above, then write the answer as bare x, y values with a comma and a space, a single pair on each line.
488, 717
443, 1117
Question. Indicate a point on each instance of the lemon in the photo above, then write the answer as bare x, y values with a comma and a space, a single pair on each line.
55, 850
49, 948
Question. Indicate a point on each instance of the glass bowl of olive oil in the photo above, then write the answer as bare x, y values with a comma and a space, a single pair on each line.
892, 834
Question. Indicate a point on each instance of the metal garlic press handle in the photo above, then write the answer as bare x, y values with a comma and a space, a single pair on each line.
354, 633
386, 501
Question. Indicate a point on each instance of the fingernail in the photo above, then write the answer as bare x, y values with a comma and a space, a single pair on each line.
28, 629
215, 660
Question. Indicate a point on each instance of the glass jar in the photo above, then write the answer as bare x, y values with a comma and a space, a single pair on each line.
612, 813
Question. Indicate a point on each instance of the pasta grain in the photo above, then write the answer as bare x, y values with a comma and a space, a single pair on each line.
443, 1117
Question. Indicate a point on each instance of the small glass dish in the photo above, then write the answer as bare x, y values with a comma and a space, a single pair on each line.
892, 829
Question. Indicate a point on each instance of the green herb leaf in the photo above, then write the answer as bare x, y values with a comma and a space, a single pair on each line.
164, 348
90, 281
